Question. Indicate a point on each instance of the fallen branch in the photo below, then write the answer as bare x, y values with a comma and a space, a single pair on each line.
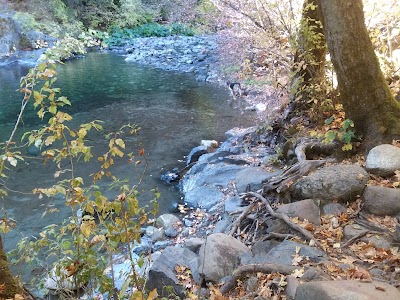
254, 268
285, 218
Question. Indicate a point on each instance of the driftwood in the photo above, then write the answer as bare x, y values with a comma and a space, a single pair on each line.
253, 268
284, 218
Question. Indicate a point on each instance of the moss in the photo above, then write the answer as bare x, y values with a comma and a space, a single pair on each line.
6, 277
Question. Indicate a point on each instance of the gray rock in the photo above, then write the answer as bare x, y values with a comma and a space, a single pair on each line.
222, 224
346, 290
353, 230
211, 175
171, 232
291, 287
195, 153
160, 245
162, 272
219, 256
341, 182
334, 209
194, 244
283, 253
252, 178
383, 160
167, 220
203, 197
377, 240
304, 209
156, 234
233, 204
240, 132
382, 201
277, 226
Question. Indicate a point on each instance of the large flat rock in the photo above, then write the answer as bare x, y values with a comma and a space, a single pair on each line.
340, 182
346, 290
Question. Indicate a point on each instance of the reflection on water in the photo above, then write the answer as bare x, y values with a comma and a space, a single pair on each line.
173, 110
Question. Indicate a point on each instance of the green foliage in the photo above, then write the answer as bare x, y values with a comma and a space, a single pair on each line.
120, 36
343, 134
27, 21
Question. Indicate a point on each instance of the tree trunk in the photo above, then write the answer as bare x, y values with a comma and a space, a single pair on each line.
364, 93
308, 86
11, 287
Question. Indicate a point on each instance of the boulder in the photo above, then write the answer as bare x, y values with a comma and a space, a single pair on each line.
252, 178
219, 256
334, 209
195, 154
167, 220
353, 230
383, 160
340, 182
284, 252
194, 244
156, 234
381, 201
233, 204
162, 273
346, 290
304, 209
203, 197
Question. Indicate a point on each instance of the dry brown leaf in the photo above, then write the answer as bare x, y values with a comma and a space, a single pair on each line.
359, 273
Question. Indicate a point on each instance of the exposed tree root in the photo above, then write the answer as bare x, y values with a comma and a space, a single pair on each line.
243, 215
303, 167
253, 268
284, 218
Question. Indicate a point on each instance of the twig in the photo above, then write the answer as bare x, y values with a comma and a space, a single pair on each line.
286, 219
253, 268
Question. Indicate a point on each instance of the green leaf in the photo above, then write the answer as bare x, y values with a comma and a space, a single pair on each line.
330, 120
53, 109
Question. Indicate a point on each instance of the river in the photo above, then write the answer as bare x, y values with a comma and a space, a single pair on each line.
173, 110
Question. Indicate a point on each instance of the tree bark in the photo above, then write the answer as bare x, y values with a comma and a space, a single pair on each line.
11, 287
308, 83
364, 93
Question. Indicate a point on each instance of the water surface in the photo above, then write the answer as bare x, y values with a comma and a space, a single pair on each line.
173, 110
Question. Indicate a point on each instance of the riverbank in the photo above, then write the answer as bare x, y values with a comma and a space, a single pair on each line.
326, 225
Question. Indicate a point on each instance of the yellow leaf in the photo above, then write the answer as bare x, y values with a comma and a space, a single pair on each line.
120, 143
152, 295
